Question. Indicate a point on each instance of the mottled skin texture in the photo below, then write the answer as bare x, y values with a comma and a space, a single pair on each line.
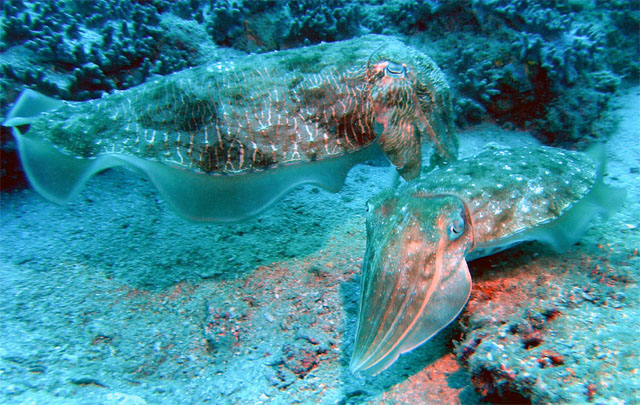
267, 110
415, 276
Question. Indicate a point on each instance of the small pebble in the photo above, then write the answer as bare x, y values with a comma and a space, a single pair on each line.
119, 398
588, 297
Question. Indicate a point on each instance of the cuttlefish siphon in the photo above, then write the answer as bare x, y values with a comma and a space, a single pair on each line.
419, 237
223, 141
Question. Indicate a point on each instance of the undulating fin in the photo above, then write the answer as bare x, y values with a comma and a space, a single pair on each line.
602, 200
29, 106
199, 197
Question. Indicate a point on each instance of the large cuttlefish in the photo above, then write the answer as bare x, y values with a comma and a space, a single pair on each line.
222, 142
419, 237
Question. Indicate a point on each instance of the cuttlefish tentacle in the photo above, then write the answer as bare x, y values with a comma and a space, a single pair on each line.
222, 142
415, 275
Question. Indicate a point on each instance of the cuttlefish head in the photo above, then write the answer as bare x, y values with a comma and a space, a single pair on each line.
415, 278
410, 99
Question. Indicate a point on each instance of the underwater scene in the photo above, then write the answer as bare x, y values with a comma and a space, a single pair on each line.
320, 202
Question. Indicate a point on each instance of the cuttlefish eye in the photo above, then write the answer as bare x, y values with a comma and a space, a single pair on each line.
369, 206
456, 228
395, 70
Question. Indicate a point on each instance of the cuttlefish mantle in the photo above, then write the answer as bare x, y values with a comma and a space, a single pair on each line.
222, 142
419, 237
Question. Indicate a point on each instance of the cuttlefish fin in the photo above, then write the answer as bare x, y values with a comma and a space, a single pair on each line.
602, 200
198, 197
30, 105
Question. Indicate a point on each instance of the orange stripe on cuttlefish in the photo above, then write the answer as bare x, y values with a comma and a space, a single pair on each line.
255, 152
218, 131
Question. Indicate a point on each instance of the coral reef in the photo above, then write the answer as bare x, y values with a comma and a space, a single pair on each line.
409, 17
253, 26
314, 21
79, 50
559, 69
259, 26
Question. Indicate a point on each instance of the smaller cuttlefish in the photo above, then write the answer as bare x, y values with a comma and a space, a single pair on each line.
419, 237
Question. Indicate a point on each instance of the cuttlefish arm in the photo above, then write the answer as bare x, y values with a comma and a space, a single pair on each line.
408, 104
416, 280
395, 117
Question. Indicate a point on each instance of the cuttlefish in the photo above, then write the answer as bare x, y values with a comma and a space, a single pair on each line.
420, 236
222, 142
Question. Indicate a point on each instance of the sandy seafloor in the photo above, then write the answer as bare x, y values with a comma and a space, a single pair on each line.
114, 299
